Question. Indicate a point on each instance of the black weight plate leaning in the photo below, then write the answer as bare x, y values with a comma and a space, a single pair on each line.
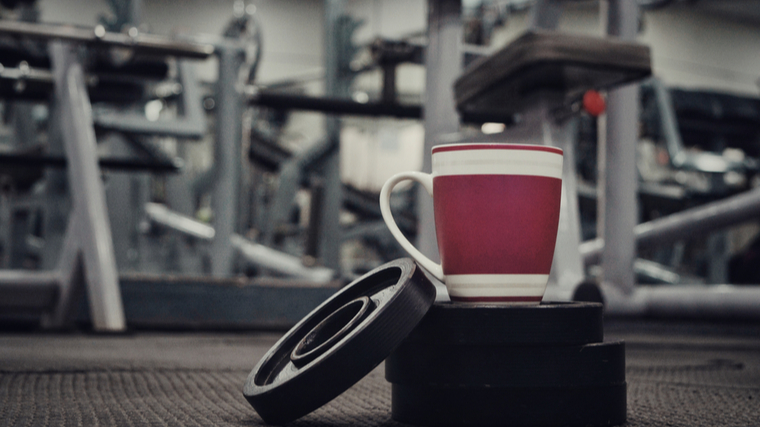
544, 324
564, 366
339, 342
512, 406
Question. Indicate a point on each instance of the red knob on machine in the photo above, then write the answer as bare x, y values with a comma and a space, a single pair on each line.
593, 103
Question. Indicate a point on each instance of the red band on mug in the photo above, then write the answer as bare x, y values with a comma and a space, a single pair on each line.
496, 224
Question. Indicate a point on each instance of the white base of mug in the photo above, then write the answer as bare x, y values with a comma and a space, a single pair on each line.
522, 289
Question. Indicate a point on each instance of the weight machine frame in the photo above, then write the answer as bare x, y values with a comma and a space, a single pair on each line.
87, 257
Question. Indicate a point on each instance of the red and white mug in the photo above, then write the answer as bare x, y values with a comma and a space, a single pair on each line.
496, 217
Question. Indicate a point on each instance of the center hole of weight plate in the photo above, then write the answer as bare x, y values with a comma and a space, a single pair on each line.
330, 330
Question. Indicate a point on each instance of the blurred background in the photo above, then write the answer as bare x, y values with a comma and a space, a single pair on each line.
237, 149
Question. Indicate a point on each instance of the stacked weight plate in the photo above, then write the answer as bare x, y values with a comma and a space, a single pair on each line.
509, 365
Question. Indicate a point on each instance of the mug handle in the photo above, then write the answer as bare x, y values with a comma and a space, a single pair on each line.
385, 208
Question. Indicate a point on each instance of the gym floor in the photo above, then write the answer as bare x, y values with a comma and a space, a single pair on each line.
679, 373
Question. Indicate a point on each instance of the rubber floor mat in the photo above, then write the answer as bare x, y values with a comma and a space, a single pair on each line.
676, 375
717, 392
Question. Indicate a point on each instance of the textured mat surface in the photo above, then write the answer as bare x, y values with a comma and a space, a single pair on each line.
166, 397
676, 377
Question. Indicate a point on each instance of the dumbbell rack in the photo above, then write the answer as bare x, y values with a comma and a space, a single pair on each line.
87, 256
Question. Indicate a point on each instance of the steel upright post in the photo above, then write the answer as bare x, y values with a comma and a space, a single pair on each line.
227, 151
337, 46
90, 225
443, 63
545, 14
567, 267
618, 207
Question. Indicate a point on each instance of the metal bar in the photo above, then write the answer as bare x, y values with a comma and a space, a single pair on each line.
25, 83
192, 125
661, 274
618, 213
15, 248
26, 74
160, 214
687, 223
191, 102
545, 14
27, 161
668, 122
28, 290
89, 211
227, 151
182, 256
679, 156
335, 106
138, 124
337, 49
350, 107
311, 246
443, 61
409, 52
27, 277
330, 230
288, 184
567, 267
150, 150
254, 253
6, 233
69, 269
696, 301
145, 43
366, 205
389, 83
290, 265
56, 197
123, 214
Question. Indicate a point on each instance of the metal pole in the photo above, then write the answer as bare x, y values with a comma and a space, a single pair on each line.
668, 122
179, 222
696, 301
123, 214
227, 152
567, 267
91, 226
135, 11
545, 14
618, 212
71, 280
254, 253
146, 43
691, 222
389, 83
266, 257
191, 125
24, 290
443, 62
56, 197
337, 42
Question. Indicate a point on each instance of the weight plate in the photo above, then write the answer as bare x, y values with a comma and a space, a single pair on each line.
339, 342
547, 323
513, 406
563, 366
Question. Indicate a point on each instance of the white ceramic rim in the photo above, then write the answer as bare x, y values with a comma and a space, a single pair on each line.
497, 161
